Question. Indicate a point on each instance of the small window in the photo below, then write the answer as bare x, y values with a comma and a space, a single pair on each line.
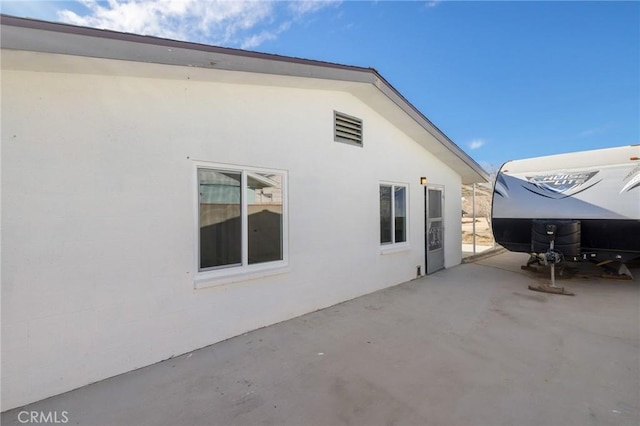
241, 218
393, 214
347, 129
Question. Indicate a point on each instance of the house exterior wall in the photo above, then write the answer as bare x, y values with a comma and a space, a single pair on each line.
99, 217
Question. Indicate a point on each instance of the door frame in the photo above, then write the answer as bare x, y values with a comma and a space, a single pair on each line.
434, 259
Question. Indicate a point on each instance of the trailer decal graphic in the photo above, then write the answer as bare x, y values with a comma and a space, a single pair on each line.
567, 183
537, 193
634, 182
501, 188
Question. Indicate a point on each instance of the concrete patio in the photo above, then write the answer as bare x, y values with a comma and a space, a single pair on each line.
465, 346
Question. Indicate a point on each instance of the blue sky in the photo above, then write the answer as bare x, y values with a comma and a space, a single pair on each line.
504, 80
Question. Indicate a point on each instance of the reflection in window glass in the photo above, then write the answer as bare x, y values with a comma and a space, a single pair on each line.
220, 220
264, 209
385, 214
393, 214
400, 213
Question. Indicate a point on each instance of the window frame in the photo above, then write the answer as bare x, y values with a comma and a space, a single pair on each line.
394, 246
226, 274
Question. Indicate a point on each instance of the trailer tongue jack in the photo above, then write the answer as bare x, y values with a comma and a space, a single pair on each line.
550, 258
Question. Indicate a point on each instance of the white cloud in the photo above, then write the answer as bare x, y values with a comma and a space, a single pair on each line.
594, 131
255, 40
244, 24
303, 7
476, 143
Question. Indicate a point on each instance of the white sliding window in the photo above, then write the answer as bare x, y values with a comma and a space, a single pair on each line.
241, 219
393, 214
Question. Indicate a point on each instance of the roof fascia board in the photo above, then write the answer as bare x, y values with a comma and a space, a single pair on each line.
55, 38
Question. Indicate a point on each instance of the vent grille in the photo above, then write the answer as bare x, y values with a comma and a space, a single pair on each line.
347, 129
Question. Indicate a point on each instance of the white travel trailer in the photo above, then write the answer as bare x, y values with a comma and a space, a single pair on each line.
591, 197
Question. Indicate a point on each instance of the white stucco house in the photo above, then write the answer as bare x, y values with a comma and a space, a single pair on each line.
160, 196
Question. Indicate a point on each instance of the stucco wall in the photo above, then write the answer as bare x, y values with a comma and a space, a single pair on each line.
99, 217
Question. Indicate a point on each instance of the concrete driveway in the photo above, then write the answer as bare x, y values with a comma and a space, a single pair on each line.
465, 346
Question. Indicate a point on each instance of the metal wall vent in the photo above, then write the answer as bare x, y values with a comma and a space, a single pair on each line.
347, 128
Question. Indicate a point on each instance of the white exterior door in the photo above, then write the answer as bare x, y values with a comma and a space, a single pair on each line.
434, 228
